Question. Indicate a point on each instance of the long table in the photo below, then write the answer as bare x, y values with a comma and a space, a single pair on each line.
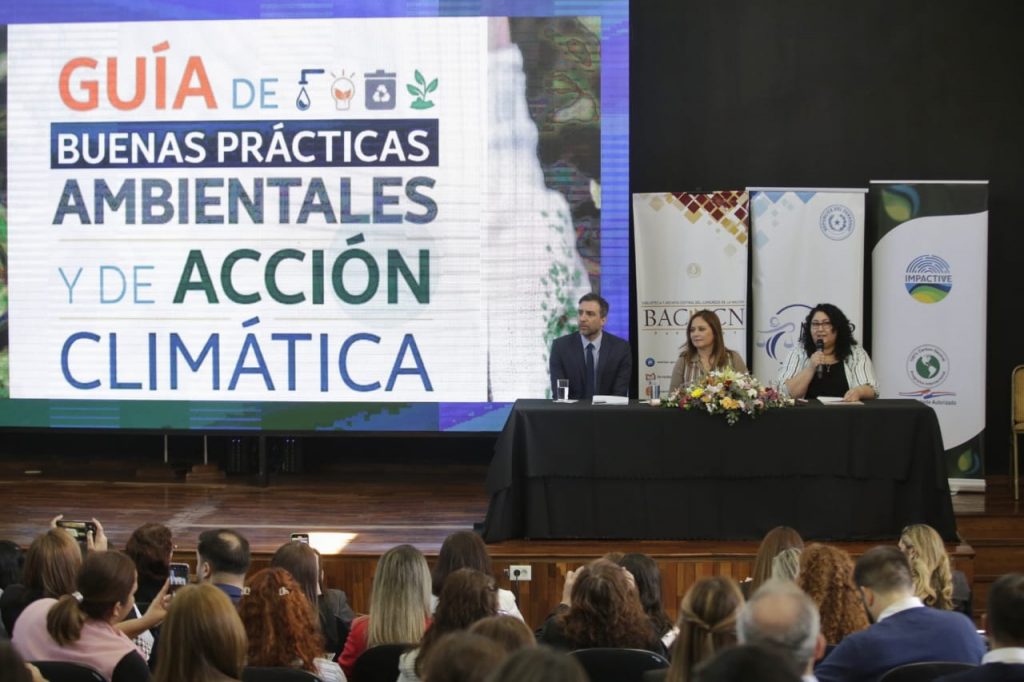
850, 472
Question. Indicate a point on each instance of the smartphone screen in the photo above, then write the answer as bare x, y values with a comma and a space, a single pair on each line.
300, 537
178, 577
78, 529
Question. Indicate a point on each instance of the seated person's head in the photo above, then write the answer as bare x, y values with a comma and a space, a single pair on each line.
202, 637
929, 565
303, 563
150, 547
707, 623
468, 595
461, 657
12, 559
883, 576
13, 668
462, 549
51, 564
540, 664
605, 609
780, 617
510, 633
745, 663
106, 592
1006, 611
279, 621
222, 553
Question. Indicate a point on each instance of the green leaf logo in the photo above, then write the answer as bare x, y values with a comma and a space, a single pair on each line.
420, 89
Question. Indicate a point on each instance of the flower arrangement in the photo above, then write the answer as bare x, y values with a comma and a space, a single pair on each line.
729, 393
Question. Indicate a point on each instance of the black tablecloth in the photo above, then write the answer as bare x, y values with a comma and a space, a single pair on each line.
848, 472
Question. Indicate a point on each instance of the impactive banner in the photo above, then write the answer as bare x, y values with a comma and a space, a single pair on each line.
691, 254
808, 248
275, 210
929, 293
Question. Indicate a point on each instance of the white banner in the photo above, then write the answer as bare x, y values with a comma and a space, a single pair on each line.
691, 254
808, 249
929, 292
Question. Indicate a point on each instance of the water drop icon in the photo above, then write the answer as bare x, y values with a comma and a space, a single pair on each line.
302, 101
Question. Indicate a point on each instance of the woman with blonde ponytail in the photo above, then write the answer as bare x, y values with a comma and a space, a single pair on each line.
707, 624
80, 627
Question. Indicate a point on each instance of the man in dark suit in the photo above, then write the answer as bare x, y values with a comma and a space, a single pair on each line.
595, 362
904, 630
1005, 662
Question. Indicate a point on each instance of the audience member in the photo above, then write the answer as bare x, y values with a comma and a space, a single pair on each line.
150, 547
399, 605
905, 630
79, 628
782, 619
202, 639
707, 624
13, 668
1005, 661
935, 583
468, 596
462, 657
786, 564
775, 541
466, 549
600, 608
539, 664
222, 558
508, 632
647, 579
745, 663
827, 577
50, 570
332, 610
12, 559
281, 626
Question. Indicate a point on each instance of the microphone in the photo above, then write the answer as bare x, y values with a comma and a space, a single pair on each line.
820, 369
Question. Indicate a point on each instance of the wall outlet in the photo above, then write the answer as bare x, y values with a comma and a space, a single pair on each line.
519, 573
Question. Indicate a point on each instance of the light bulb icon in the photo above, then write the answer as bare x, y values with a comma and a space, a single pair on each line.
343, 90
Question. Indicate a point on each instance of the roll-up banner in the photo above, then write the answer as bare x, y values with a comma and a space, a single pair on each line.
929, 284
691, 254
808, 249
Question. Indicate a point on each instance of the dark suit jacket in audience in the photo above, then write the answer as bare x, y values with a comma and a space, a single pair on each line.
911, 636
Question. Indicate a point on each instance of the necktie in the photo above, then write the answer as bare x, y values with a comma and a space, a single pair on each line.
588, 385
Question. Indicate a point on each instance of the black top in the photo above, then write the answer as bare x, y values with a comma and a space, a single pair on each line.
131, 668
832, 383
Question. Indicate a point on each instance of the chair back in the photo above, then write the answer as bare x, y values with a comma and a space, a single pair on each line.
62, 671
1017, 396
379, 663
924, 672
269, 674
618, 665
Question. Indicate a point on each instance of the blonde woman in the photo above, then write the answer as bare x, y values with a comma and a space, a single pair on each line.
399, 605
707, 624
935, 583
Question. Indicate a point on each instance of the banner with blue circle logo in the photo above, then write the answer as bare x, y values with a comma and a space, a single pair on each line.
929, 279
808, 248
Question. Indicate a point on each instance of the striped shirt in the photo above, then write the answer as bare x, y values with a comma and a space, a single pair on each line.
857, 366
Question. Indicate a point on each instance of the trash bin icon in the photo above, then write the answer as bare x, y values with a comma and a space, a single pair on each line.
380, 90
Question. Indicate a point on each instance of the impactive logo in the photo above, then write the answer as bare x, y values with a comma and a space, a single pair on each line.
837, 222
929, 279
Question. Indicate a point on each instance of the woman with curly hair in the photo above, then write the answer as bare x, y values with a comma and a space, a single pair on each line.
935, 583
826, 575
281, 625
468, 595
600, 608
707, 624
828, 361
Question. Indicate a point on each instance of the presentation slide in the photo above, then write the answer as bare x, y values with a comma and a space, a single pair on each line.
250, 217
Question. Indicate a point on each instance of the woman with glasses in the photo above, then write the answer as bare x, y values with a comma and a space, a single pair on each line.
828, 361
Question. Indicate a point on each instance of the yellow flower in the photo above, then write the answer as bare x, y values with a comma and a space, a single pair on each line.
697, 392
